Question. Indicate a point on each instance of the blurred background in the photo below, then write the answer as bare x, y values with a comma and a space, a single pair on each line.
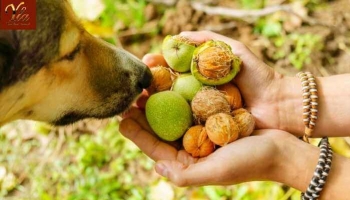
90, 160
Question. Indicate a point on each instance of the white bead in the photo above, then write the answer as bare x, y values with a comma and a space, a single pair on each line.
306, 100
312, 84
306, 107
307, 88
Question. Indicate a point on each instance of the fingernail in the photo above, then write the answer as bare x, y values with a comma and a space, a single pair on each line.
162, 169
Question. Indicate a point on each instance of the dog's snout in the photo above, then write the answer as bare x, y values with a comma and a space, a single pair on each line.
141, 74
146, 79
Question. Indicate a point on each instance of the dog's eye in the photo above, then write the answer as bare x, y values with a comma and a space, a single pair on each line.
72, 54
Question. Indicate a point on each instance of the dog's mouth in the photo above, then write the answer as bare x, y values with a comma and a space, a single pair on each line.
69, 118
108, 105
110, 108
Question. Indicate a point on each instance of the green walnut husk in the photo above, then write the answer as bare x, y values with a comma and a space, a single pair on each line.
187, 85
213, 63
177, 51
168, 114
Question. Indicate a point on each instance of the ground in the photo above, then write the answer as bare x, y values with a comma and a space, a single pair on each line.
91, 160
322, 34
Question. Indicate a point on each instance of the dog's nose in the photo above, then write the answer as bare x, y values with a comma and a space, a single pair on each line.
146, 79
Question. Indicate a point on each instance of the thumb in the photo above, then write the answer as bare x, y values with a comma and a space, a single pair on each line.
201, 173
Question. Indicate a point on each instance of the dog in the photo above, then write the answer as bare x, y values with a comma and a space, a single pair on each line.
59, 73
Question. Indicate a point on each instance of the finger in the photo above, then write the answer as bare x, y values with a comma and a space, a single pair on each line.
141, 101
227, 165
139, 117
148, 143
200, 173
153, 60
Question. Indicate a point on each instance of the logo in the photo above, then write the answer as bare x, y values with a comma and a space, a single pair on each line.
18, 14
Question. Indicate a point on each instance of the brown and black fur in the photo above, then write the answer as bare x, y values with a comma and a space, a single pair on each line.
59, 73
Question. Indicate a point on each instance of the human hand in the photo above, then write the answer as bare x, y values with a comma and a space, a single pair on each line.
258, 157
258, 83
266, 155
276, 100
234, 163
135, 122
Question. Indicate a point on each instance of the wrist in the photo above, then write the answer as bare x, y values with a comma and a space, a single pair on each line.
289, 106
295, 163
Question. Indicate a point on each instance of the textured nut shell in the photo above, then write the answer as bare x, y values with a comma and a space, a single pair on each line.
197, 143
208, 102
162, 79
232, 95
214, 62
245, 121
222, 129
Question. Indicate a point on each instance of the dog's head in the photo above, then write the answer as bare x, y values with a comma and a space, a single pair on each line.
59, 73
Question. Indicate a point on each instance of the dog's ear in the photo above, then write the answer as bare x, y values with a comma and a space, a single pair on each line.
7, 53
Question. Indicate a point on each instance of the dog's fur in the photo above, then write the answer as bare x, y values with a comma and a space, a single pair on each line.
59, 73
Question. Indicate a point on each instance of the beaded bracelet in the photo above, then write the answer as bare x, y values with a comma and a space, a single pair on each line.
321, 172
309, 118
309, 103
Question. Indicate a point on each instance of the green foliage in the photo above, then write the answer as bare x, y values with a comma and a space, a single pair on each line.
101, 167
312, 5
252, 4
302, 45
90, 167
128, 12
268, 27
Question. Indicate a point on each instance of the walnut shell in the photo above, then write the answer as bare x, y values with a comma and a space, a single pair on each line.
207, 102
232, 95
222, 129
245, 121
214, 63
162, 79
197, 143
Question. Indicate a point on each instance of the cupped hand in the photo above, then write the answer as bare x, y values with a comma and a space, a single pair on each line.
247, 159
259, 84
251, 158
